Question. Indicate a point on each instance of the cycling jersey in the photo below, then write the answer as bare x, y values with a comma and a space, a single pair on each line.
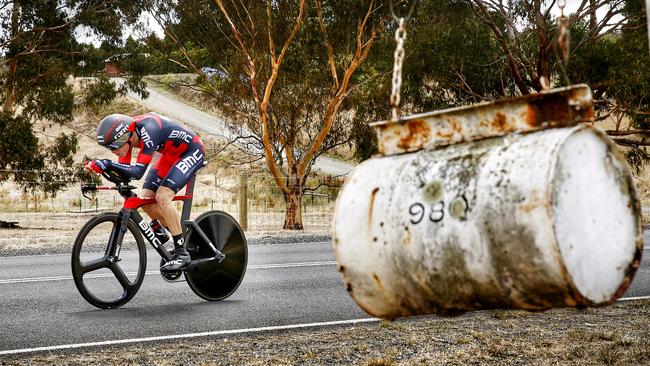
182, 152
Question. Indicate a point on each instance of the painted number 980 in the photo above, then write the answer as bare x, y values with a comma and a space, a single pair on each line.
436, 212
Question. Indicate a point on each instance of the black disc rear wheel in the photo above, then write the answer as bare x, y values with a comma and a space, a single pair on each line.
211, 280
104, 280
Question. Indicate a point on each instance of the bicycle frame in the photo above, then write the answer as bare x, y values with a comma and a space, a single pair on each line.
130, 211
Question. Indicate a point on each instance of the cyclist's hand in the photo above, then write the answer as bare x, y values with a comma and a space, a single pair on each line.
97, 166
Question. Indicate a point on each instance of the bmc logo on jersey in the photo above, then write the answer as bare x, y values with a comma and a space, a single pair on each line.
189, 162
176, 134
146, 139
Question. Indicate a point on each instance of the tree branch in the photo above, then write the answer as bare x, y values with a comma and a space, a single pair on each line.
333, 105
630, 142
328, 44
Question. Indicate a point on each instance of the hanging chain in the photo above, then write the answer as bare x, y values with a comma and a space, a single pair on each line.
400, 36
563, 41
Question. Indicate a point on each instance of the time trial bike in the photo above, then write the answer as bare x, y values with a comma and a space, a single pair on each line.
109, 257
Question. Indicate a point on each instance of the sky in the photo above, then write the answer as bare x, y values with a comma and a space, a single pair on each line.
146, 18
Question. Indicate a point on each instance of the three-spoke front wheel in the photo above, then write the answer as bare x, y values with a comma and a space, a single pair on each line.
106, 271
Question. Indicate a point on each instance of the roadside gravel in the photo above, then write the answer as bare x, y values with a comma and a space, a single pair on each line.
15, 242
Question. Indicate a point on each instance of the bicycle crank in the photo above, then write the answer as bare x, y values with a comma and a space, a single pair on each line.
170, 276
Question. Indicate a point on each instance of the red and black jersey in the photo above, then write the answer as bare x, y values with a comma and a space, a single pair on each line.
156, 134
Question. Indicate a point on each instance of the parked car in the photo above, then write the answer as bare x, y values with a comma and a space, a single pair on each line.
211, 73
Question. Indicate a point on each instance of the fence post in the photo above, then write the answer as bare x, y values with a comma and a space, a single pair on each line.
243, 201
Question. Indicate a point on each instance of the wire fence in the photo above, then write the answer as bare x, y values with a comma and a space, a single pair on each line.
255, 200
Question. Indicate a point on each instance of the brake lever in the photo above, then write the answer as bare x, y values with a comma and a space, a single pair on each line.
90, 187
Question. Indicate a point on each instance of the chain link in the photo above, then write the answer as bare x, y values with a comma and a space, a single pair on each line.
400, 37
563, 41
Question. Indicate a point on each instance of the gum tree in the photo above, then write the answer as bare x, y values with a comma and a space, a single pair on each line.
285, 71
39, 51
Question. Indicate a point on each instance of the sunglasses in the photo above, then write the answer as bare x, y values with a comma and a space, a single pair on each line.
120, 141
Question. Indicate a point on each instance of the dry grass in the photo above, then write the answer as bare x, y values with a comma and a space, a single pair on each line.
614, 335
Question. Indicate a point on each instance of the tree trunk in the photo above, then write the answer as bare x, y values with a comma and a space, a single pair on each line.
543, 49
593, 20
10, 95
293, 200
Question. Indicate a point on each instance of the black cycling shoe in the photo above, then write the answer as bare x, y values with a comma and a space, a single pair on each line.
179, 262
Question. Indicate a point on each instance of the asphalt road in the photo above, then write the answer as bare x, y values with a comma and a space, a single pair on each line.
285, 284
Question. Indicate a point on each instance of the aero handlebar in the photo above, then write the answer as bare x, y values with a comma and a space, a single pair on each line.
121, 184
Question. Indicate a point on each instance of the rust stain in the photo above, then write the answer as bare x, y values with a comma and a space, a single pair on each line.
375, 278
531, 117
372, 203
535, 201
455, 125
418, 132
446, 133
406, 237
551, 110
500, 122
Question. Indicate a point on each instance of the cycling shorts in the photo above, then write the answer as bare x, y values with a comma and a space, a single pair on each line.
174, 171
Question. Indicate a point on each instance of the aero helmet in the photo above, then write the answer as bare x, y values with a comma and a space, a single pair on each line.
113, 131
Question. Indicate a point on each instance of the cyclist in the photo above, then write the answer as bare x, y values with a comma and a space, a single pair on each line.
181, 154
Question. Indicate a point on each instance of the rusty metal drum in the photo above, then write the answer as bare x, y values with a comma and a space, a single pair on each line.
508, 219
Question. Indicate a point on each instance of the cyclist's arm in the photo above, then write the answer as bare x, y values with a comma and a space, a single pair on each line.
128, 171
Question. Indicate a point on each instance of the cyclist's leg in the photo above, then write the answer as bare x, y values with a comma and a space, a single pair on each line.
151, 184
168, 214
185, 167
182, 170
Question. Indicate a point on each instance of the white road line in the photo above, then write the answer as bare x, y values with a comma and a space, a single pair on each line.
189, 335
286, 265
634, 298
67, 278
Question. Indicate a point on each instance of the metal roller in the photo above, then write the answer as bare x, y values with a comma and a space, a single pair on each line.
518, 215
